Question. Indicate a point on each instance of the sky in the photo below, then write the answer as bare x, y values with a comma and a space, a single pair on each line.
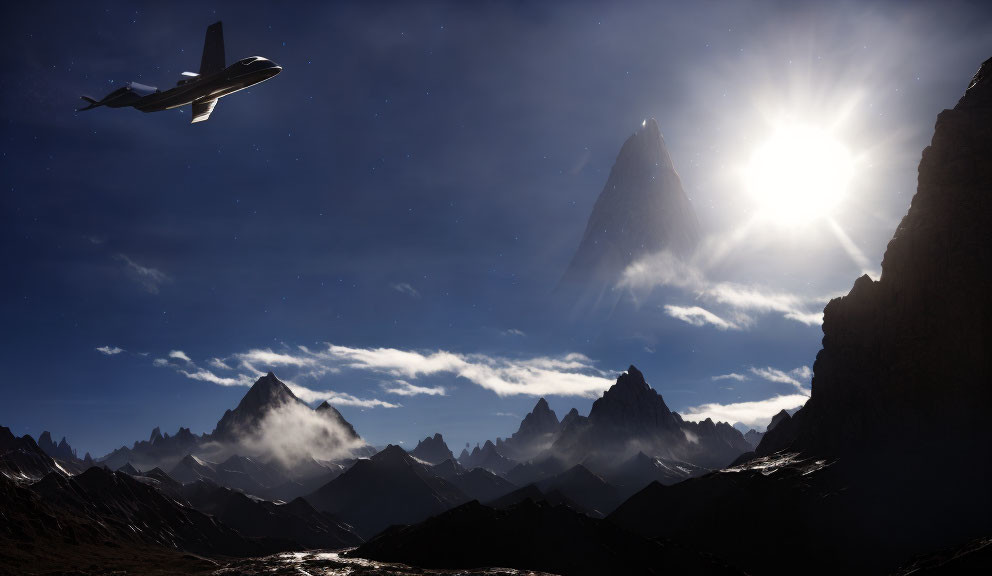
383, 224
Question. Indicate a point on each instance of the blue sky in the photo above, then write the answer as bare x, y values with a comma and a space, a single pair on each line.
384, 222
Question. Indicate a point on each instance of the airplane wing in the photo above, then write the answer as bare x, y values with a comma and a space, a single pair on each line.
202, 110
213, 50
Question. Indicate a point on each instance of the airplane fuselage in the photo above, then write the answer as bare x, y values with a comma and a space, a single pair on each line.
238, 76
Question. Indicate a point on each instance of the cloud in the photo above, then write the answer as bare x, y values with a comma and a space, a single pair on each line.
506, 414
149, 278
109, 350
791, 377
514, 332
740, 300
731, 376
208, 376
292, 433
160, 363
756, 414
404, 388
569, 375
218, 364
698, 316
179, 355
405, 288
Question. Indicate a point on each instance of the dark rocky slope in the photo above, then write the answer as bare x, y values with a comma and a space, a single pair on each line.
536, 536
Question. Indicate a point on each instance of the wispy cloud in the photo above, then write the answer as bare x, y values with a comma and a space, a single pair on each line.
247, 374
149, 278
569, 375
218, 364
792, 377
208, 376
514, 332
109, 350
406, 288
179, 355
740, 301
404, 388
698, 316
731, 376
756, 414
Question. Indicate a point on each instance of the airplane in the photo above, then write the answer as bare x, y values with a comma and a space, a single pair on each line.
201, 89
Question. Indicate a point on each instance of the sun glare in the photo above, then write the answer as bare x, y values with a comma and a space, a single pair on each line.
800, 174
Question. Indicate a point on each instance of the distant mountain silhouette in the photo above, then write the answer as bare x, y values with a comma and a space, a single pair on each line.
61, 451
595, 495
297, 520
487, 457
477, 484
389, 488
266, 393
641, 210
432, 450
22, 460
189, 457
537, 431
632, 417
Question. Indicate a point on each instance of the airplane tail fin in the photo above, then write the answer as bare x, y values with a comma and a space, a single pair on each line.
92, 104
213, 50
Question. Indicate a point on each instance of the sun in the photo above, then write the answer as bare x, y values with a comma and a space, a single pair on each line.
799, 175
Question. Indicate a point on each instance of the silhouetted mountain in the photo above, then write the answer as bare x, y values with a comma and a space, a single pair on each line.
448, 469
487, 457
531, 536
267, 393
863, 478
129, 470
753, 437
537, 431
641, 210
159, 451
632, 417
533, 493
586, 489
479, 484
297, 521
389, 488
332, 414
104, 518
22, 460
61, 451
534, 471
432, 450
641, 470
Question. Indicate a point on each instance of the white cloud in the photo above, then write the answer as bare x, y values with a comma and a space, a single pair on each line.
160, 363
109, 350
698, 316
756, 414
405, 288
404, 388
570, 375
731, 376
269, 359
740, 301
792, 377
514, 332
218, 364
292, 433
208, 376
149, 278
179, 355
